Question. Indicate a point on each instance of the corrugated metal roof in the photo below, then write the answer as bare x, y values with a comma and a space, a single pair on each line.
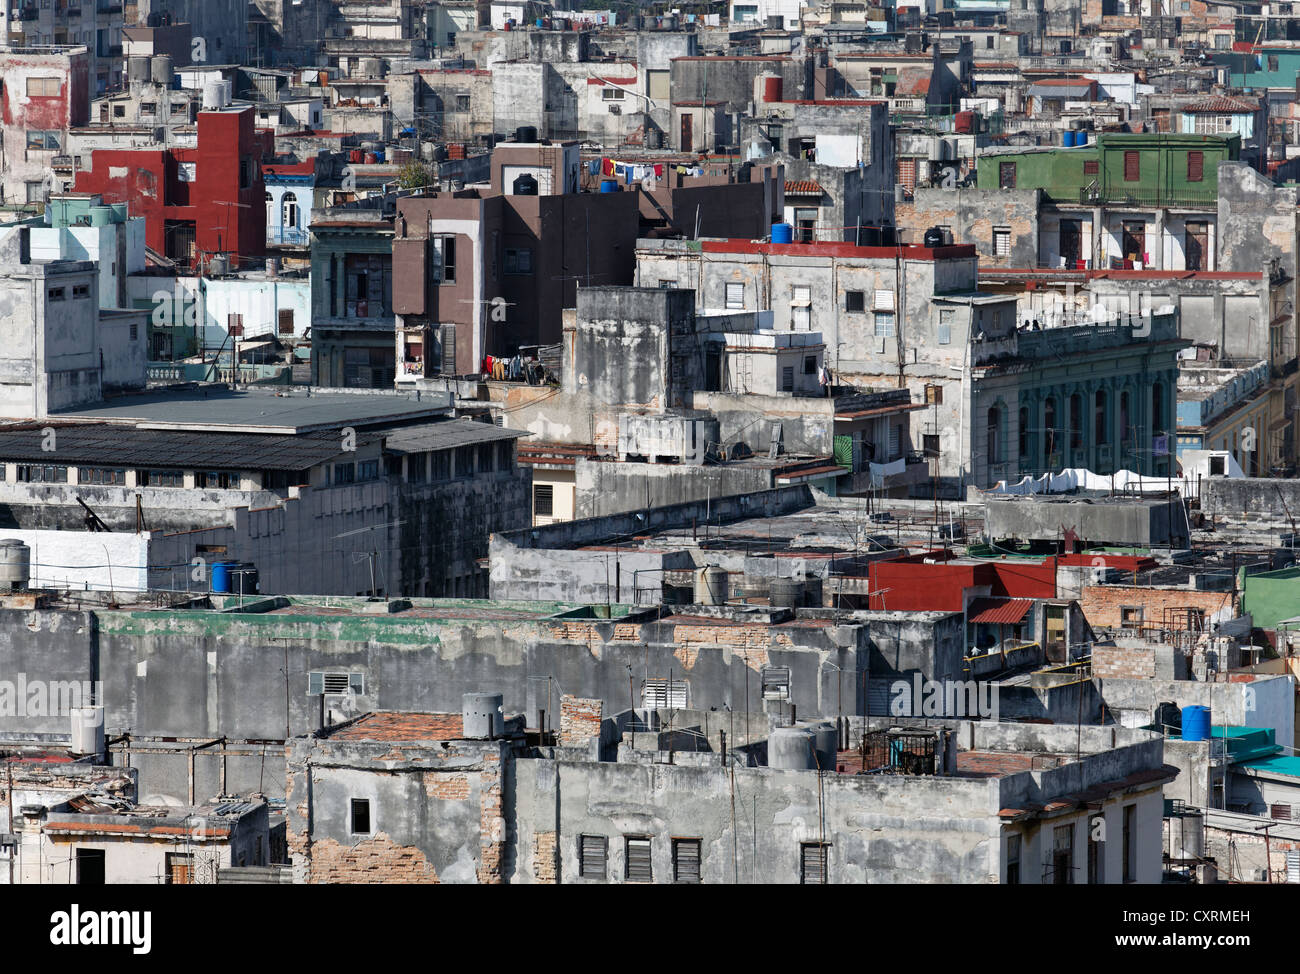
123, 446
442, 436
1007, 612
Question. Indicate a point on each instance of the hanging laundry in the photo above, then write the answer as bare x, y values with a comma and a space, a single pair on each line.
607, 167
659, 170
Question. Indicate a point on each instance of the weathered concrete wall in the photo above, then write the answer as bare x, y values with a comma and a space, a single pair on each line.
1234, 496
973, 213
1143, 524
607, 487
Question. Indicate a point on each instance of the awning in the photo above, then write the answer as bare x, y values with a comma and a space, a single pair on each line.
1006, 612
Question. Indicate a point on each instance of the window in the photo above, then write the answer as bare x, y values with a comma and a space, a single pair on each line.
884, 299
1101, 431
519, 261
217, 479
148, 108
1132, 166
812, 863
933, 394
1272, 62
505, 455
44, 87
1096, 851
994, 428
35, 191
464, 462
1195, 167
809, 364
42, 474
1013, 860
1130, 843
666, 284
1063, 855
1049, 428
1196, 245
180, 869
1006, 175
775, 682
1133, 239
81, 291
930, 444
610, 93
855, 301
368, 470
57, 294
284, 324
361, 816
345, 473
686, 860
440, 466
1023, 444
884, 324
805, 222
444, 260
735, 296
462, 103
1130, 616
159, 478
662, 694
119, 111
787, 378
801, 308
1090, 167
42, 140
593, 856
101, 476
945, 326
1001, 241
289, 208
1076, 421
90, 867
1280, 811
636, 866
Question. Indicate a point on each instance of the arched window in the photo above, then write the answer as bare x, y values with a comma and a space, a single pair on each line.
1102, 427
270, 210
1157, 409
1076, 421
1024, 432
289, 206
994, 446
1125, 434
1049, 427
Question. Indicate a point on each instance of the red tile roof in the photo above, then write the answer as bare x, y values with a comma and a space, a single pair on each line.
1007, 612
392, 726
802, 187
1222, 104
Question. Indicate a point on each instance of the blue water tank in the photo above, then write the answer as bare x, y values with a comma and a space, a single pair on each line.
221, 576
1068, 140
609, 185
1081, 137
379, 155
540, 22
782, 233
1196, 723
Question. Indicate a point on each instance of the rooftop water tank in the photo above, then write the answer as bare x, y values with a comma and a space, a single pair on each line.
221, 578
782, 233
711, 586
87, 730
933, 238
161, 69
483, 716
137, 68
609, 185
792, 748
786, 593
526, 133
15, 565
1196, 723
825, 743
525, 184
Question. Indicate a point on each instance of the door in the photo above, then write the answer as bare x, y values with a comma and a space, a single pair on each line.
1133, 240
1071, 239
1196, 246
688, 134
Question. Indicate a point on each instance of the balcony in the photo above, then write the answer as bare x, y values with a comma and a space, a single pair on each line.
1143, 198
288, 236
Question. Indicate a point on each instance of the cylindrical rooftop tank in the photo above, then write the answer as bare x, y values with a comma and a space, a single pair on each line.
102, 216
221, 581
160, 67
87, 730
609, 185
933, 238
786, 593
137, 68
483, 716
782, 233
825, 743
1196, 723
711, 586
15, 565
792, 748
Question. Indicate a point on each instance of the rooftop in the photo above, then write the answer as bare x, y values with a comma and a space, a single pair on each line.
219, 408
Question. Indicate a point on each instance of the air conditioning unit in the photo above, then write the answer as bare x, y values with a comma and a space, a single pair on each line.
616, 109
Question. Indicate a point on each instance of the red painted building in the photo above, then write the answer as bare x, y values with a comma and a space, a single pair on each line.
42, 94
911, 585
197, 202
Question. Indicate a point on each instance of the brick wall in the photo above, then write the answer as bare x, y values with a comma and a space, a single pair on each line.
1101, 604
374, 860
1115, 662
579, 720
546, 862
492, 840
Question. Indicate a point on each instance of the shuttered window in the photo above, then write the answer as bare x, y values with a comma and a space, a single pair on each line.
637, 860
330, 683
1282, 812
285, 325
593, 853
1132, 167
1195, 167
812, 863
686, 860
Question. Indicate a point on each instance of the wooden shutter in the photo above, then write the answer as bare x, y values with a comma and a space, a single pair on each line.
593, 852
1132, 167
638, 861
286, 321
1282, 812
1195, 167
686, 860
812, 864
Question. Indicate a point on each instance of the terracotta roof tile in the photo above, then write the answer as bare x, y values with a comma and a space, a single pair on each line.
392, 726
802, 187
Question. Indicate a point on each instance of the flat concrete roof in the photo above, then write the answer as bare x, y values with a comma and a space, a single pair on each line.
220, 409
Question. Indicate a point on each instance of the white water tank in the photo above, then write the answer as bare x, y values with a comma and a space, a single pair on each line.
792, 748
160, 70
15, 565
711, 586
87, 730
216, 96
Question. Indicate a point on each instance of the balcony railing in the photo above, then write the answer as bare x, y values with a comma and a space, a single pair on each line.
288, 236
1142, 197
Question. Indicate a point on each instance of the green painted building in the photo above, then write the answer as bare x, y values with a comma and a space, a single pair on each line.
1150, 170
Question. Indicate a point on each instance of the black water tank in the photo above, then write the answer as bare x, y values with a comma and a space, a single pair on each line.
526, 133
933, 237
525, 184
